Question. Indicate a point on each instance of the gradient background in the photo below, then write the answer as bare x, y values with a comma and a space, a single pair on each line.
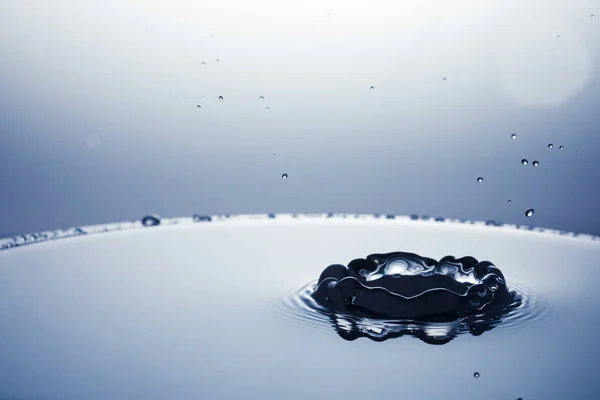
98, 117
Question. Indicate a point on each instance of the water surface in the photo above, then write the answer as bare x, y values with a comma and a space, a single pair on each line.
192, 310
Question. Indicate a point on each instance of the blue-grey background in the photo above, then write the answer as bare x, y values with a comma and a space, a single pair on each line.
98, 117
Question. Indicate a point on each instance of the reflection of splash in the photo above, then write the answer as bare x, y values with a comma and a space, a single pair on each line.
302, 307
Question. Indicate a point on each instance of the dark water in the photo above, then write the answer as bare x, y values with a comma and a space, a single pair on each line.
215, 310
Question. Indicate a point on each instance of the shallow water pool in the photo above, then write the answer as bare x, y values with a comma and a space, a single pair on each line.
209, 310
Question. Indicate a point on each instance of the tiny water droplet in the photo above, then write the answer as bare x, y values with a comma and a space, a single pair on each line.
578, 151
592, 16
510, 202
267, 108
261, 98
524, 161
513, 136
444, 79
535, 163
558, 36
221, 98
550, 145
203, 64
480, 179
372, 88
198, 106
151, 220
476, 374
217, 60
560, 147
529, 212
284, 176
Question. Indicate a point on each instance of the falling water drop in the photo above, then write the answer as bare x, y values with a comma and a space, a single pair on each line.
535, 163
221, 98
151, 220
524, 161
476, 374
480, 179
513, 136
372, 88
560, 147
529, 212
284, 176
550, 145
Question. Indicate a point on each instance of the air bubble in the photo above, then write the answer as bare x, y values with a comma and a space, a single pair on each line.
513, 136
198, 106
203, 64
524, 161
510, 202
535, 163
221, 98
560, 147
217, 60
284, 176
476, 374
261, 98
480, 179
372, 88
550, 145
445, 80
267, 108
151, 220
558, 36
529, 212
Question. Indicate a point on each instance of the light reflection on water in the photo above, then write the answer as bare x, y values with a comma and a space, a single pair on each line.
205, 310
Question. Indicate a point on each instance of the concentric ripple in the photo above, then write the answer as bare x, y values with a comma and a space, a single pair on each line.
300, 307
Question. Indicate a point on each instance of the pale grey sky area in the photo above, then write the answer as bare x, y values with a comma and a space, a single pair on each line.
98, 116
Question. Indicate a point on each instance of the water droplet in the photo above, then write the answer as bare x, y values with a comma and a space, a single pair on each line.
529, 212
535, 163
520, 398
445, 80
284, 176
217, 60
513, 136
550, 145
480, 179
578, 151
524, 161
261, 98
510, 202
221, 98
203, 64
372, 88
198, 106
592, 16
267, 108
151, 220
476, 374
560, 147
558, 36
